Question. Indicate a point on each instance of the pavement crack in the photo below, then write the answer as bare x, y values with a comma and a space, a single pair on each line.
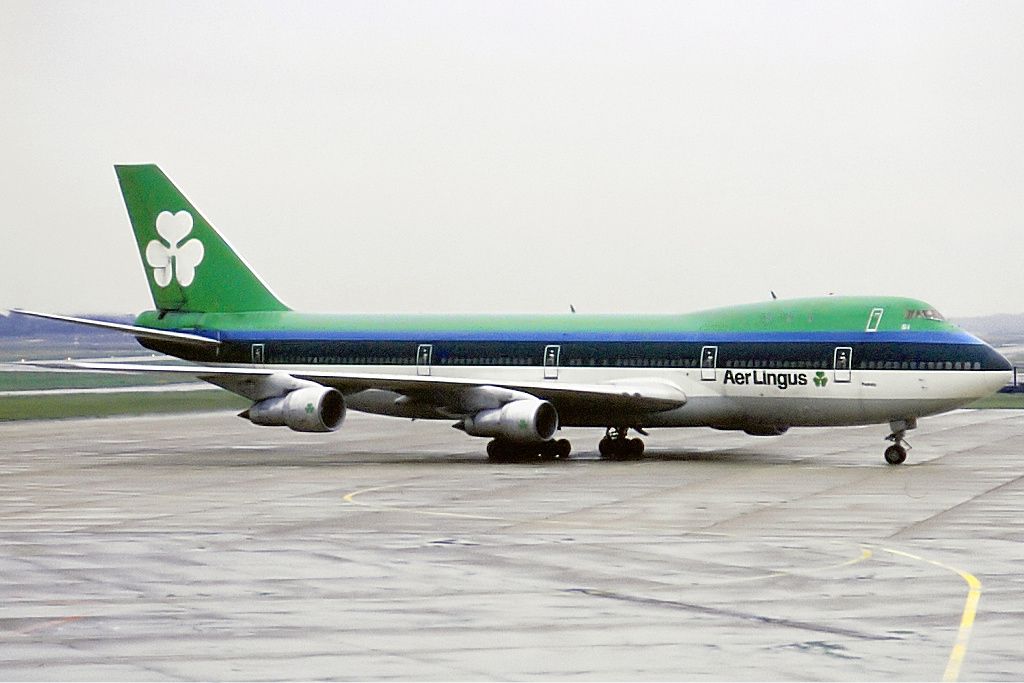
734, 614
955, 508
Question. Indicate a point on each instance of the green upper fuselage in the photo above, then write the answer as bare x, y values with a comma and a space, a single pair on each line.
812, 315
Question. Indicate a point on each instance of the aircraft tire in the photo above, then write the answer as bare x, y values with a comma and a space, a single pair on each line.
549, 450
558, 449
895, 454
500, 451
620, 449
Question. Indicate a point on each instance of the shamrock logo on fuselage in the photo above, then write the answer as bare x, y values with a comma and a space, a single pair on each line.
177, 258
820, 379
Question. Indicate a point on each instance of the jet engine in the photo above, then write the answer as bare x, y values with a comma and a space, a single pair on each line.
524, 421
312, 409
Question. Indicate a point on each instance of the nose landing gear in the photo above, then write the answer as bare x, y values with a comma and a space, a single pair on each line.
896, 454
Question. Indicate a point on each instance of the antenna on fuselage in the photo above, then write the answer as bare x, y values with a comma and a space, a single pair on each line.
773, 294
572, 309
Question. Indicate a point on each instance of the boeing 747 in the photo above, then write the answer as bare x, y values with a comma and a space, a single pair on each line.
517, 380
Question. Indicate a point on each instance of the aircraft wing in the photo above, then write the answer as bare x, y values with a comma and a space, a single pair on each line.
449, 395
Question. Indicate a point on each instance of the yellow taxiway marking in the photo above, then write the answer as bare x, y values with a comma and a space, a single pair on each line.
50, 623
865, 554
350, 498
963, 635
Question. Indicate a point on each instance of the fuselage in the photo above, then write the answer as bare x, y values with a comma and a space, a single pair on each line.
761, 367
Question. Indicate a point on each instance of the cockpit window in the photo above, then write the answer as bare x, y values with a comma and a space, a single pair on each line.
926, 313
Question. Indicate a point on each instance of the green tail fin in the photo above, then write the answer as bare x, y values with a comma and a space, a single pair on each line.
188, 264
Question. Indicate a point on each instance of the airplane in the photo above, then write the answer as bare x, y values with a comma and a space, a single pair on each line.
762, 368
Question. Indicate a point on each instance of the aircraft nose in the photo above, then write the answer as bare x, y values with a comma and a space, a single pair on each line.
1005, 372
1000, 360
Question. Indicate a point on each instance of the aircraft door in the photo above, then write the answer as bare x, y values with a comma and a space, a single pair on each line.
257, 354
423, 356
551, 354
843, 364
708, 363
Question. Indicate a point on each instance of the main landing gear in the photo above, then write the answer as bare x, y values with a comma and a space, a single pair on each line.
616, 446
896, 454
500, 450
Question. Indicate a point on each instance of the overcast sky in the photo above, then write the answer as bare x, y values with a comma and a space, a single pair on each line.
519, 156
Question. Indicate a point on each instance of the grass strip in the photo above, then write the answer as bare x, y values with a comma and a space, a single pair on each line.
29, 380
1014, 401
104, 405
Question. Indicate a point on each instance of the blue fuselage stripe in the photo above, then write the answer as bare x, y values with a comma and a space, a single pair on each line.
433, 336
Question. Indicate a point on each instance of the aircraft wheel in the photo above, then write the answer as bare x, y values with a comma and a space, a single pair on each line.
549, 450
563, 448
613, 449
618, 449
499, 451
895, 454
494, 450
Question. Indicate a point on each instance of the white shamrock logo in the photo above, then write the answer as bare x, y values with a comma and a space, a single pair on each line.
174, 258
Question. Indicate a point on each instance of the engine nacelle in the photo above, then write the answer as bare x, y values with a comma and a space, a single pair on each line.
769, 430
312, 409
525, 421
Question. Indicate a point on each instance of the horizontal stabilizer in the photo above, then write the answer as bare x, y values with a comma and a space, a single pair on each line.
135, 330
